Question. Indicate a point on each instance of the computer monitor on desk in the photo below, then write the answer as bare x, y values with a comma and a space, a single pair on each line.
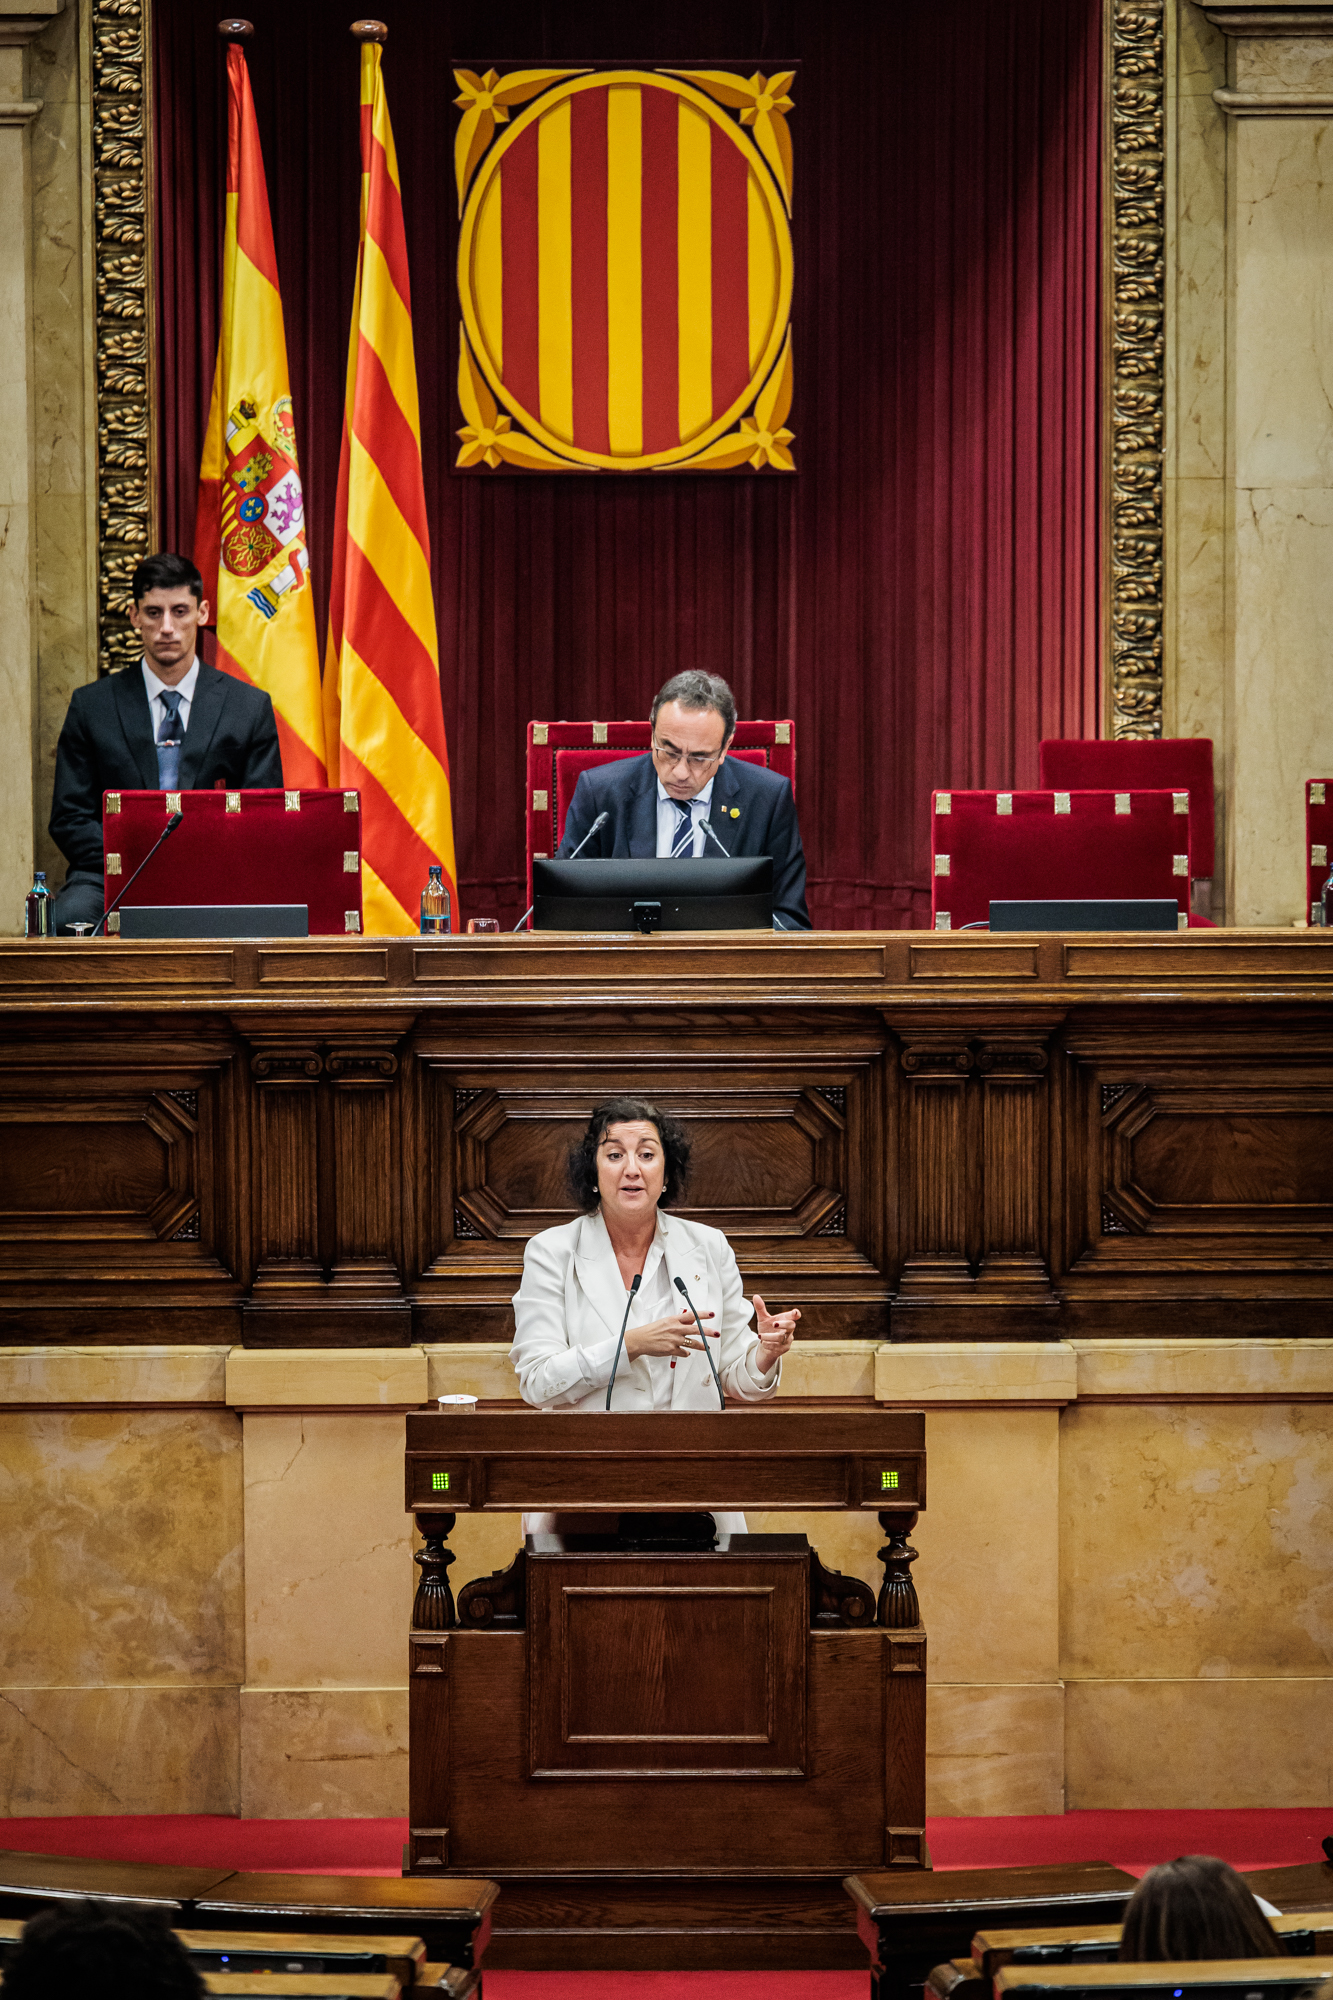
654, 895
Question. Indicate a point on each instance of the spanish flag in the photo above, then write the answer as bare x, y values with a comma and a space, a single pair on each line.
249, 541
383, 718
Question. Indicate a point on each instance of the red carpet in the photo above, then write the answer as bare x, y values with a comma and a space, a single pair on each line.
1131, 1840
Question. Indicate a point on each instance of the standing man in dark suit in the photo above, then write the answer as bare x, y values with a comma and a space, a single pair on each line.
171, 723
657, 804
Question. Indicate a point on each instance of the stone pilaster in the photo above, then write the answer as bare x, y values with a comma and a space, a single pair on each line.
1278, 98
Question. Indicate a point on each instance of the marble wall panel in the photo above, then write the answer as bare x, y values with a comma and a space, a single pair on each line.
1196, 1541
988, 1577
328, 1551
323, 1754
994, 1750
120, 1548
118, 1750
1170, 1745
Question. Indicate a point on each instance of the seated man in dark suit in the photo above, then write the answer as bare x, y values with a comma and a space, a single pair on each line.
171, 723
657, 803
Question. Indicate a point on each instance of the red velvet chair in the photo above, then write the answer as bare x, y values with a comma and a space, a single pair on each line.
1014, 845
1145, 764
1318, 841
560, 752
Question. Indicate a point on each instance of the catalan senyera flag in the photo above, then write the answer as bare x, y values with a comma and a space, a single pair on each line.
250, 543
625, 269
384, 722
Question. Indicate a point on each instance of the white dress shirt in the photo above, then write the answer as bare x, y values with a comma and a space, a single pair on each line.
669, 824
156, 689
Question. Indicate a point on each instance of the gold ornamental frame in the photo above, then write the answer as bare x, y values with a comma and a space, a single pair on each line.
122, 71
1134, 311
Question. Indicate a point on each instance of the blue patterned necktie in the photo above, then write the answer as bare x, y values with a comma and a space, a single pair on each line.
684, 831
168, 741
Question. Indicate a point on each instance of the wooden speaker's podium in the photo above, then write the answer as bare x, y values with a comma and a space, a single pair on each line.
667, 1755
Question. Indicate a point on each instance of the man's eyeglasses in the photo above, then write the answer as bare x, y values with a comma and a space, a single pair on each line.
698, 760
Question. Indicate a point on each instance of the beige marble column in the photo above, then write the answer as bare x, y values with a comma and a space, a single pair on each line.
1278, 98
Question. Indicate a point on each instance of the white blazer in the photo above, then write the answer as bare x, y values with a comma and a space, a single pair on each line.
568, 1310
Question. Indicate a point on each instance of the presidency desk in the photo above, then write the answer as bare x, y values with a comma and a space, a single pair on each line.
333, 1143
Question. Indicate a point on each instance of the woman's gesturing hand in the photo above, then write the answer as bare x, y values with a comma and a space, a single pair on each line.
673, 1335
776, 1333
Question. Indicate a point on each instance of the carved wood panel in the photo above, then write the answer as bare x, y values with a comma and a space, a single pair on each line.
1214, 1158
787, 1159
120, 1216
1197, 1165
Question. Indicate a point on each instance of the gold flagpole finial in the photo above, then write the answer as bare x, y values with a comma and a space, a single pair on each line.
232, 30
370, 31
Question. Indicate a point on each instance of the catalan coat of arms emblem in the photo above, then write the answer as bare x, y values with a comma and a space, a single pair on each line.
625, 270
263, 508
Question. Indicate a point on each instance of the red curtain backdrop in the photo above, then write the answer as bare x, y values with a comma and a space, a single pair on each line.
923, 596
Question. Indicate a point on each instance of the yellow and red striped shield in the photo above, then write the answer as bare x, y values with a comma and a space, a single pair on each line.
625, 270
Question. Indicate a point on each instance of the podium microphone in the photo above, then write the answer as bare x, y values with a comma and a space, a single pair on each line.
634, 1282
707, 826
170, 827
596, 827
680, 1287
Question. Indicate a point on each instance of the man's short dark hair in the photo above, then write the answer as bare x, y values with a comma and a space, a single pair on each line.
116, 1951
697, 691
626, 1111
166, 572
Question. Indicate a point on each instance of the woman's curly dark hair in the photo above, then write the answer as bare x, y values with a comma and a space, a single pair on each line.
625, 1111
117, 1951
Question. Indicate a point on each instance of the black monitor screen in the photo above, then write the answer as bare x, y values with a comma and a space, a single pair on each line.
685, 895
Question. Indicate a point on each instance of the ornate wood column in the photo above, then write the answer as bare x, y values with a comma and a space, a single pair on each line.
938, 1173
1013, 1070
328, 1188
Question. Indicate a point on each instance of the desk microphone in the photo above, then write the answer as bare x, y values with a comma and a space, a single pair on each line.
680, 1287
596, 827
170, 827
634, 1282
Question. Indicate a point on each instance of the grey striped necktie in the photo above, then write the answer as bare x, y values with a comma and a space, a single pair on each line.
169, 741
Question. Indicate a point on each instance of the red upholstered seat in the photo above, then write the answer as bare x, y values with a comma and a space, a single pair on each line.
1318, 841
1014, 845
1142, 764
560, 752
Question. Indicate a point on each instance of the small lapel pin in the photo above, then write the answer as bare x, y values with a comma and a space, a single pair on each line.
735, 812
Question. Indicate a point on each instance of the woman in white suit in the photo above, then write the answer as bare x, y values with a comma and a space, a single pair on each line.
576, 1285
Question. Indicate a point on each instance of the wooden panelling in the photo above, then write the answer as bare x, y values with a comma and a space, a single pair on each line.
350, 1142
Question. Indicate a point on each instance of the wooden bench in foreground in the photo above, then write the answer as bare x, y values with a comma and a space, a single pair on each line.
911, 1922
1199, 1979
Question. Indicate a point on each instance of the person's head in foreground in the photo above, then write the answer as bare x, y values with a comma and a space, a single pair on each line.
117, 1952
1196, 1907
631, 1158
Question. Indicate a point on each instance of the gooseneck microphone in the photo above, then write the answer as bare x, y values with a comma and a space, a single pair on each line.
707, 826
596, 827
634, 1284
680, 1287
170, 827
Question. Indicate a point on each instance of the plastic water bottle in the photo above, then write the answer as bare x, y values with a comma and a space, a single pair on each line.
37, 908
435, 904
